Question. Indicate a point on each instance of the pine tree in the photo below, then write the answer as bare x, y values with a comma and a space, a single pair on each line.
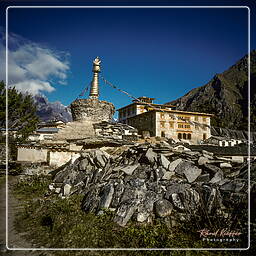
21, 111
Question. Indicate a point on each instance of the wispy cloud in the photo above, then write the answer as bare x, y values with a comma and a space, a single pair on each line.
32, 67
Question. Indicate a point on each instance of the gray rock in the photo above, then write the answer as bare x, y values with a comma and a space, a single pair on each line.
184, 165
207, 153
192, 173
217, 177
163, 208
164, 161
99, 158
211, 200
177, 202
203, 160
106, 196
125, 212
66, 189
51, 187
57, 190
168, 175
151, 155
83, 164
212, 168
174, 164
225, 165
128, 169
187, 200
203, 178
234, 186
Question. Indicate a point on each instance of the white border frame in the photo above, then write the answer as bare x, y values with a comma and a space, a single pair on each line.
131, 249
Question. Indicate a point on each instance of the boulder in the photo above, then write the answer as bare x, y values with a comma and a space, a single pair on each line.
151, 155
163, 208
106, 196
125, 212
217, 177
164, 161
174, 164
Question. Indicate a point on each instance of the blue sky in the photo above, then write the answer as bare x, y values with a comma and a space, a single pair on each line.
161, 53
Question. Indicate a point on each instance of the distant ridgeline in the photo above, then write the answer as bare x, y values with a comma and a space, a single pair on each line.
225, 96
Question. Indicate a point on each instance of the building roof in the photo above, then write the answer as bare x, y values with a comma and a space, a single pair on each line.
144, 103
48, 130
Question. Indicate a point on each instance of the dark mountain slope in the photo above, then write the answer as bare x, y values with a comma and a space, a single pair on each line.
226, 96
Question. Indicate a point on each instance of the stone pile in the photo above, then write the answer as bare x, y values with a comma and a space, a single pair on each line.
147, 181
116, 131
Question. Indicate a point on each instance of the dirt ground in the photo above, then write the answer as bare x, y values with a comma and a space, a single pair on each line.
15, 240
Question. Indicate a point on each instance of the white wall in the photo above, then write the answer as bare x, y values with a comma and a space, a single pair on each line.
58, 158
32, 155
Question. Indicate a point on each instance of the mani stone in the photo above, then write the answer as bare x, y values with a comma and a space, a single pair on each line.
92, 110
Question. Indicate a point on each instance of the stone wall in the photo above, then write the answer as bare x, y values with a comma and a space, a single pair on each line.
92, 110
34, 155
59, 158
144, 122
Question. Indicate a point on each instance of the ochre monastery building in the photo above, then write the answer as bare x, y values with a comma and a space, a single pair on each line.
165, 121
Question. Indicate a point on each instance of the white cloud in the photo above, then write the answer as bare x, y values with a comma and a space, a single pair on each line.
31, 67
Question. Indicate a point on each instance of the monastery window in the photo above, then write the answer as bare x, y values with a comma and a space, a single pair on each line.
184, 136
189, 136
162, 134
171, 116
186, 117
180, 125
179, 136
171, 124
196, 118
187, 126
229, 143
162, 115
162, 124
223, 143
204, 136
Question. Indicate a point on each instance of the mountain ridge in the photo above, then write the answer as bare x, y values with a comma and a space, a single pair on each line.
225, 96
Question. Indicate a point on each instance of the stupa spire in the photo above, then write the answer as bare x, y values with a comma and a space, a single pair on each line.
94, 91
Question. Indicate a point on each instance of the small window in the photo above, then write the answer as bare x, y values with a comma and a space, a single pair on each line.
189, 136
171, 124
204, 136
223, 143
162, 124
184, 136
229, 143
196, 118
179, 136
162, 134
162, 115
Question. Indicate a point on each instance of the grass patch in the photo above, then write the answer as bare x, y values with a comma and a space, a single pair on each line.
60, 223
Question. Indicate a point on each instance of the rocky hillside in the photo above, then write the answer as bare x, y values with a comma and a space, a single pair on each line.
48, 111
226, 96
